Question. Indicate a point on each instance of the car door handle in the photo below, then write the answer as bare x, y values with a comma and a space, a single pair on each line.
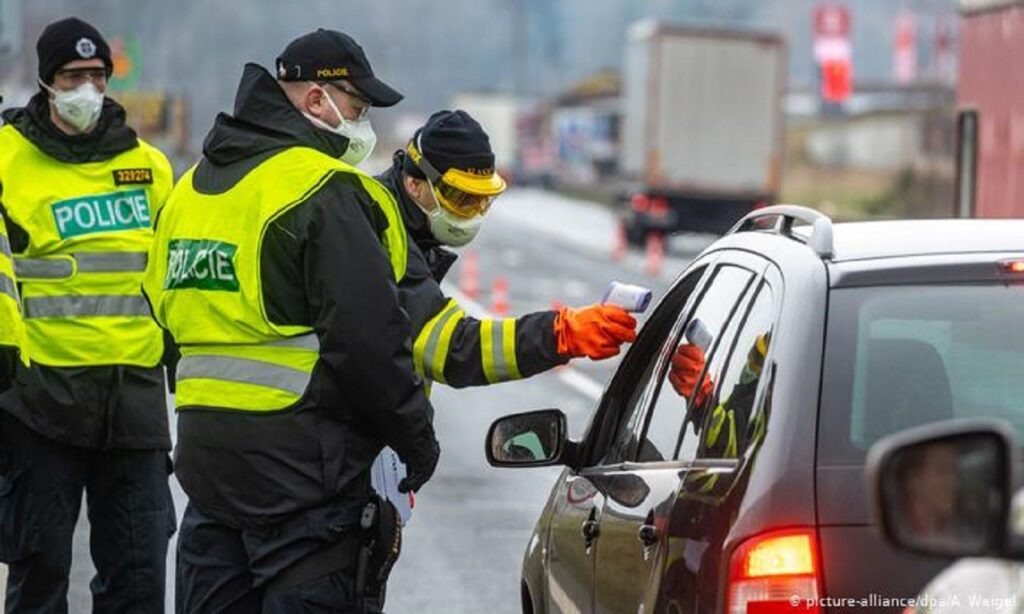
591, 530
647, 534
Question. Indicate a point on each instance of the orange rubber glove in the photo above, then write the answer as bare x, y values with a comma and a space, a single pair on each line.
596, 331
687, 363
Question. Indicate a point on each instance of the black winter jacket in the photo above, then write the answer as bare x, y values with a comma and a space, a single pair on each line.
322, 265
421, 296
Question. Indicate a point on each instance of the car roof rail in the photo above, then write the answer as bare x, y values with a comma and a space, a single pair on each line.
820, 239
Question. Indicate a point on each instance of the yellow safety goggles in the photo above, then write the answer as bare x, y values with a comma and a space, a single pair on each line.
462, 193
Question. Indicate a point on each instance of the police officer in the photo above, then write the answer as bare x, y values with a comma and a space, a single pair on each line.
445, 182
274, 269
80, 191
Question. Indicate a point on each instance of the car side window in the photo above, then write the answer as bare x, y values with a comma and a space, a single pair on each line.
717, 315
627, 397
726, 416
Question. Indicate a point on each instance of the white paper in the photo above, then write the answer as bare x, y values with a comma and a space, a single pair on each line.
385, 474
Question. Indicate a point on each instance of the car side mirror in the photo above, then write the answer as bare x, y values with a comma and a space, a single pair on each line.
531, 439
944, 489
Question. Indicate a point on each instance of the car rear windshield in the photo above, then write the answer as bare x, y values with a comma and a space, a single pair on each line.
898, 357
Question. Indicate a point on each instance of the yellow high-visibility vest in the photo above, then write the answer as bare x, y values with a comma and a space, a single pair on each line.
12, 329
204, 283
90, 228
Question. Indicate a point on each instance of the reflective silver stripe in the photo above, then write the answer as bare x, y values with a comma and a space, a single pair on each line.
88, 262
7, 287
5, 246
501, 372
243, 371
434, 339
111, 262
81, 306
43, 268
303, 342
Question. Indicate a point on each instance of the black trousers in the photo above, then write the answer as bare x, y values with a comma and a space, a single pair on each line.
223, 569
131, 514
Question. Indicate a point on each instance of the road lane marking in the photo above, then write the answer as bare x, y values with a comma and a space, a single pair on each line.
587, 386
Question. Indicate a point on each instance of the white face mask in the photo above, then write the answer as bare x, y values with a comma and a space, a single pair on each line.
449, 228
452, 230
79, 107
359, 132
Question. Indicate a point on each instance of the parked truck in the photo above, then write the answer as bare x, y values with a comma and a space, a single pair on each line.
702, 140
497, 113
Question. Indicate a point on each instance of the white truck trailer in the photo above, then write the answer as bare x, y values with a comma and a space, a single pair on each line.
702, 136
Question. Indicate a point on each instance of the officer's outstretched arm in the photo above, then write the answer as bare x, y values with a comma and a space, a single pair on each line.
463, 351
456, 349
364, 334
453, 348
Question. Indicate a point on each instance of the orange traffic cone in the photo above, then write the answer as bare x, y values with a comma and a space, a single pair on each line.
620, 244
499, 297
655, 253
469, 275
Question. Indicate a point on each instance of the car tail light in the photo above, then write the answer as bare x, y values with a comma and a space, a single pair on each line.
775, 572
640, 203
1012, 266
659, 206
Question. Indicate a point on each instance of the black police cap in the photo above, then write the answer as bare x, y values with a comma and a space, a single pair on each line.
329, 55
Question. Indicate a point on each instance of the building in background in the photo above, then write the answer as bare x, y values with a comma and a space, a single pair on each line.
990, 101
536, 155
585, 123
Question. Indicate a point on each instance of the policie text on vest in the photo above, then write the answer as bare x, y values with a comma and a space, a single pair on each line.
201, 264
116, 211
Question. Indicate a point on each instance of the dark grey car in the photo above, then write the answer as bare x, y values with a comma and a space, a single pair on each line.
869, 328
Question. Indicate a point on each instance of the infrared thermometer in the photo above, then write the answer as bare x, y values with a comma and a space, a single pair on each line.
634, 299
698, 334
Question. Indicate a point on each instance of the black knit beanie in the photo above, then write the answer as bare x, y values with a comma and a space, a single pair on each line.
453, 139
68, 40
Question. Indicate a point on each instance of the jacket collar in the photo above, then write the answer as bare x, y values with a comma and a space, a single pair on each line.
264, 119
110, 137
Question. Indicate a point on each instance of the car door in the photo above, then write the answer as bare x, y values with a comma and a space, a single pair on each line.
721, 448
577, 502
641, 472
